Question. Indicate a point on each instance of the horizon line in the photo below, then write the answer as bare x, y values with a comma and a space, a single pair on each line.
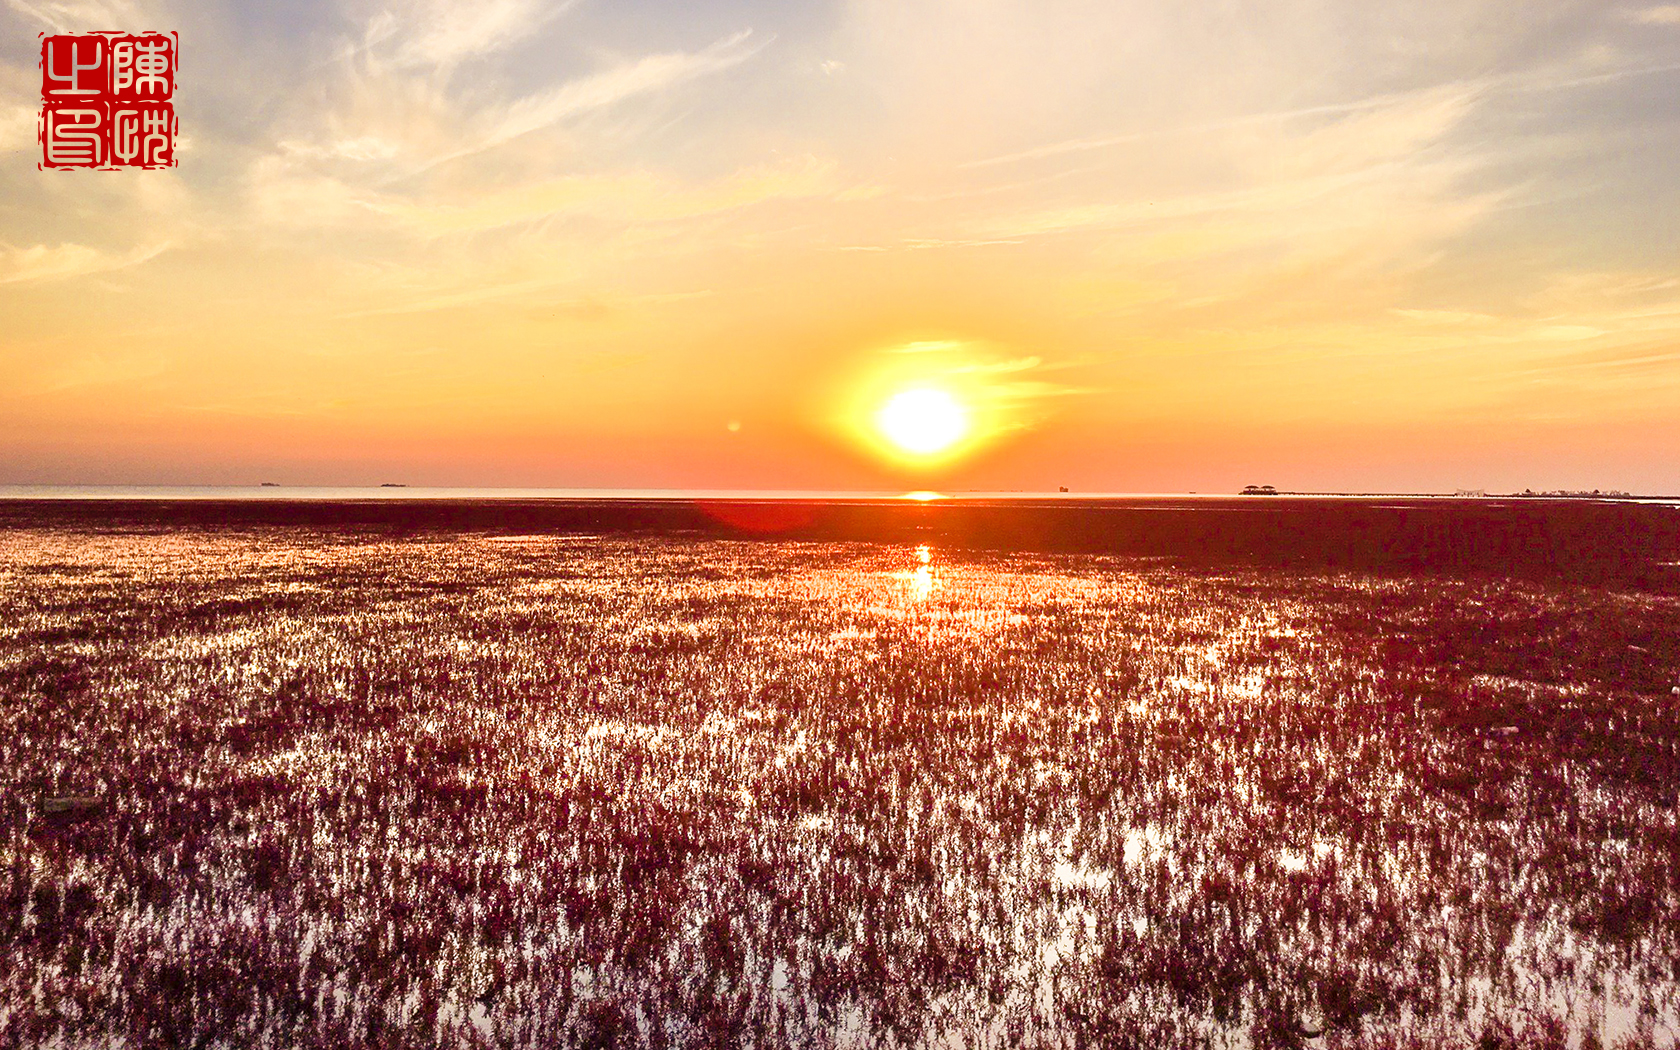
392, 491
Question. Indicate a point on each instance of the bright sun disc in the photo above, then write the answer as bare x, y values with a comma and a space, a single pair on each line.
922, 422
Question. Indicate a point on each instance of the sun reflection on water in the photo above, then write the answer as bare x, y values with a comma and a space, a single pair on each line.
1070, 795
922, 581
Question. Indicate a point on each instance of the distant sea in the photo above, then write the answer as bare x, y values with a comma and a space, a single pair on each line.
335, 493
398, 492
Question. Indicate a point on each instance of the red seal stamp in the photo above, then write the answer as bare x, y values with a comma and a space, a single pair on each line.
107, 100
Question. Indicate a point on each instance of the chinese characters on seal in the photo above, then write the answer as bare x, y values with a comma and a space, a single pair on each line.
107, 100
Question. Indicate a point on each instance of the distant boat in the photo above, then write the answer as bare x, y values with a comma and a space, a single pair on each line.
271, 484
1260, 490
1064, 488
393, 485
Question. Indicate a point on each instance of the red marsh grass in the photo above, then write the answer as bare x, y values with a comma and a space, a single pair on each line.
468, 790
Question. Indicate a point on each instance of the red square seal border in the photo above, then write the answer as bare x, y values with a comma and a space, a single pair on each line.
107, 100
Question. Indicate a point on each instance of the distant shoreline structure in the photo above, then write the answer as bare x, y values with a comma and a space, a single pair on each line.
1269, 490
1573, 494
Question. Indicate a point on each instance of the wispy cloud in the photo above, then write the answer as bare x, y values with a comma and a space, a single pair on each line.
1559, 78
995, 368
1375, 180
1660, 15
591, 308
18, 128
61, 262
442, 33
929, 346
1010, 390
1080, 145
630, 197
644, 76
78, 16
913, 244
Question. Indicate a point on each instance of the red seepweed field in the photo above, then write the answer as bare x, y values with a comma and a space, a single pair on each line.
296, 786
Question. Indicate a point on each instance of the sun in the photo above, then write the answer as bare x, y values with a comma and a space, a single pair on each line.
922, 422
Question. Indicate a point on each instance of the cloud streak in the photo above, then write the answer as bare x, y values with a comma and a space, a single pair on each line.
1056, 149
631, 198
78, 16
441, 34
1661, 15
642, 77
66, 261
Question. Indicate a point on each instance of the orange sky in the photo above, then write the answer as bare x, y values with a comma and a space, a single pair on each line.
1327, 245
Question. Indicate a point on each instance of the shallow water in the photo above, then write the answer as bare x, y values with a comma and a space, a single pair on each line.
462, 789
